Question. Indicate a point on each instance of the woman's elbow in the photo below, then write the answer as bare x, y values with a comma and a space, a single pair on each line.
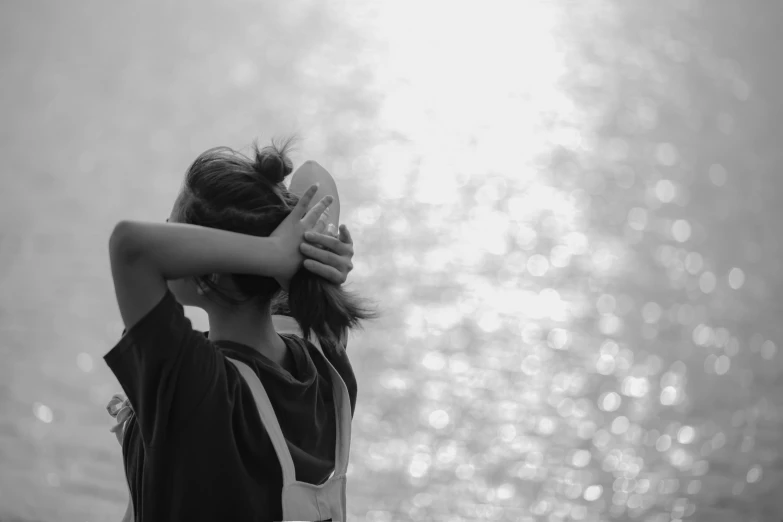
123, 242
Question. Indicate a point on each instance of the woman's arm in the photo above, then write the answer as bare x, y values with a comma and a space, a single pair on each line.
144, 255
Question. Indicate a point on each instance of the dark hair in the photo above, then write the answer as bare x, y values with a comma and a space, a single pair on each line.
225, 189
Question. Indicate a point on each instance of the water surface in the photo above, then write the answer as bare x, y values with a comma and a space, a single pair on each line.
566, 210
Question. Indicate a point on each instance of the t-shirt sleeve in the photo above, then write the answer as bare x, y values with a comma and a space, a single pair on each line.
165, 368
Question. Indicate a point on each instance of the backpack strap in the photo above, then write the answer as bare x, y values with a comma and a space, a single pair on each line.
269, 420
342, 407
342, 411
342, 401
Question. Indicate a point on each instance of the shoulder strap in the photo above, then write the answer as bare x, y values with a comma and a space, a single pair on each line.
342, 406
268, 419
342, 401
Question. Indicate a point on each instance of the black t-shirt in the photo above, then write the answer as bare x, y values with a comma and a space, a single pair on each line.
195, 448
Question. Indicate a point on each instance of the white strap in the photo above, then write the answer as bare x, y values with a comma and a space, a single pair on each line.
269, 420
342, 401
342, 409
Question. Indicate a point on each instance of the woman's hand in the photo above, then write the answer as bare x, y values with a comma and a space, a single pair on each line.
329, 255
289, 235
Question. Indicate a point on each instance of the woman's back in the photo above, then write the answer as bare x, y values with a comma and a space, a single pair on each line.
200, 451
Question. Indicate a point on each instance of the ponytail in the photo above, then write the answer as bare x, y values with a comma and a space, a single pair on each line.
324, 308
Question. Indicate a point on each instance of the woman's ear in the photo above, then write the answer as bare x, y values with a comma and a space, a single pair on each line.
214, 278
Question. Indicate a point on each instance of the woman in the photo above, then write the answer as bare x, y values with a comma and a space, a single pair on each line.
195, 447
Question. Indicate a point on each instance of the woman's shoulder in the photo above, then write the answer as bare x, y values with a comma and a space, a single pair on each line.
328, 349
333, 352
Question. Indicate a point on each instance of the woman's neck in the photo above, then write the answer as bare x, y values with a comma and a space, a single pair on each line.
250, 328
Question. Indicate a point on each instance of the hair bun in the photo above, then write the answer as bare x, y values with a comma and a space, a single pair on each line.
272, 163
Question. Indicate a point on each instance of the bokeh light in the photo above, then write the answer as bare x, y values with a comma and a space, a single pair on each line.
567, 211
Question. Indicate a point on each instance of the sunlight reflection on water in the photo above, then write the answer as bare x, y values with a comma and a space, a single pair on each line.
636, 463
538, 206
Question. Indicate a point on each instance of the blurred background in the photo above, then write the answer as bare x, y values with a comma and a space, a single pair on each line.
567, 211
